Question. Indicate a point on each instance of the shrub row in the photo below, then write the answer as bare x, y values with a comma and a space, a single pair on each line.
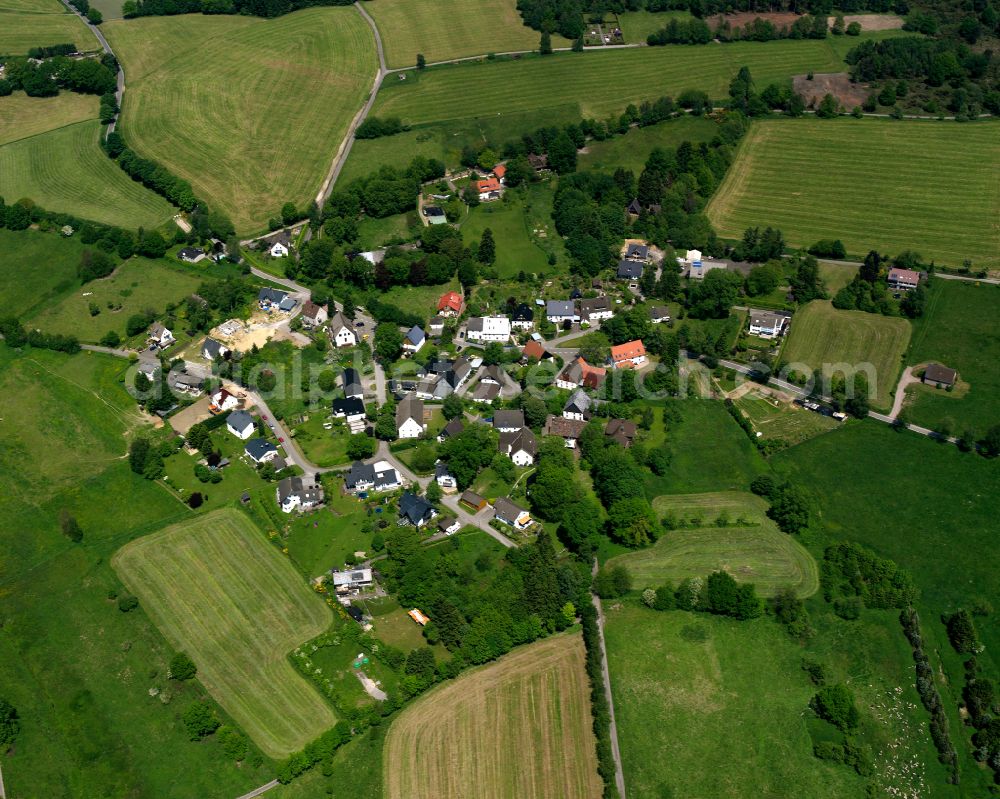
598, 699
16, 336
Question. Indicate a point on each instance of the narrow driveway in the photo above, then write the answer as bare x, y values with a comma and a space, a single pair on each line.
261, 790
615, 750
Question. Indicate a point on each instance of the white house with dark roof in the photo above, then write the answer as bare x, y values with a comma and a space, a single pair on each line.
559, 311
511, 514
508, 421
768, 324
596, 309
489, 328
341, 331
578, 406
213, 350
410, 417
903, 279
313, 315
160, 335
260, 450
222, 401
521, 446
414, 340
240, 424
523, 317
378, 476
299, 493
629, 270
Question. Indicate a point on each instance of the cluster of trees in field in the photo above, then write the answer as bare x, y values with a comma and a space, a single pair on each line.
152, 175
92, 13
376, 127
853, 577
15, 335
383, 193
718, 593
256, 8
45, 79
868, 291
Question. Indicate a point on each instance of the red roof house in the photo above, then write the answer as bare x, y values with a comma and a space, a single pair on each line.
628, 355
499, 171
451, 304
488, 185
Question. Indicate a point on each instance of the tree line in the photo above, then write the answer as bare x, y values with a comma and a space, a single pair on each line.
45, 79
255, 8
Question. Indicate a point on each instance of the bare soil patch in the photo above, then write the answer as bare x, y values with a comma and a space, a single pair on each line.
836, 83
743, 18
874, 22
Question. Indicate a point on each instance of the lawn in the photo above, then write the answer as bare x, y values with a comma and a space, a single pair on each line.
37, 269
323, 447
749, 546
22, 117
784, 421
518, 727
78, 670
65, 170
522, 245
218, 591
707, 706
137, 284
823, 337
38, 23
836, 275
322, 541
630, 151
250, 111
374, 233
813, 179
637, 25
451, 29
961, 329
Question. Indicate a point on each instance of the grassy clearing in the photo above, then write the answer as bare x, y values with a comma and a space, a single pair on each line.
517, 727
250, 111
581, 82
637, 25
137, 284
66, 170
221, 593
790, 423
78, 670
823, 336
22, 117
631, 150
836, 275
38, 23
959, 329
36, 269
451, 29
683, 683
813, 179
749, 546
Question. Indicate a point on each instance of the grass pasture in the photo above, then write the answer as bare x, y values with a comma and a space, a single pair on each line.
632, 150
684, 683
518, 727
749, 546
38, 23
250, 111
22, 117
218, 591
451, 29
961, 329
37, 268
774, 419
822, 336
66, 170
814, 180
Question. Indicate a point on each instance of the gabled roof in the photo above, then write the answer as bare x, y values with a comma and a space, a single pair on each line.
212, 347
473, 499
559, 308
350, 406
486, 392
633, 207
338, 321
239, 420
488, 185
637, 251
190, 252
627, 351
273, 296
578, 402
415, 335
453, 428
352, 381
940, 374
659, 312
499, 170
580, 372
596, 305
629, 270
310, 309
413, 508
522, 440
534, 349
563, 427
904, 275
156, 330
410, 407
381, 474
507, 510
451, 300
257, 448
621, 427
523, 313
508, 418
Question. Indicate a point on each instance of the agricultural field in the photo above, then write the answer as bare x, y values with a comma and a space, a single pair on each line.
22, 117
632, 150
822, 336
24, 282
79, 670
637, 25
728, 531
138, 284
250, 111
38, 23
776, 420
66, 170
219, 592
683, 683
518, 727
814, 180
959, 329
452, 29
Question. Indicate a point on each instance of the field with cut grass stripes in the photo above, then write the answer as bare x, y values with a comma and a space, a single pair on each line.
66, 170
824, 337
518, 727
748, 545
250, 111
446, 29
593, 83
219, 592
38, 23
873, 184
22, 117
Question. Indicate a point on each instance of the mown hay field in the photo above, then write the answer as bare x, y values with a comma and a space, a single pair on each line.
447, 29
38, 23
518, 727
785, 421
749, 546
22, 117
873, 184
250, 111
66, 170
592, 83
824, 337
219, 592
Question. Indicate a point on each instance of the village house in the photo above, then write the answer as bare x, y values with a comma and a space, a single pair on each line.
629, 270
277, 245
903, 279
595, 310
191, 255
492, 374
489, 189
523, 317
240, 424
436, 326
636, 252
629, 355
580, 373
414, 340
213, 350
435, 215
341, 331
444, 477
535, 349
183, 383
540, 162
351, 381
767, 324
939, 376
578, 406
415, 510
489, 328
499, 171
378, 476
508, 421
520, 446
222, 401
449, 525
473, 500
269, 299
453, 428
302, 493
260, 450
485, 392
410, 417
354, 580
559, 311
313, 315
511, 514
658, 314
621, 431
148, 366
451, 304
160, 336
568, 429
352, 410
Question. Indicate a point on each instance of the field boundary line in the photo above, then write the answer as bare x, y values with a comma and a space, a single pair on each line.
616, 753
45, 133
